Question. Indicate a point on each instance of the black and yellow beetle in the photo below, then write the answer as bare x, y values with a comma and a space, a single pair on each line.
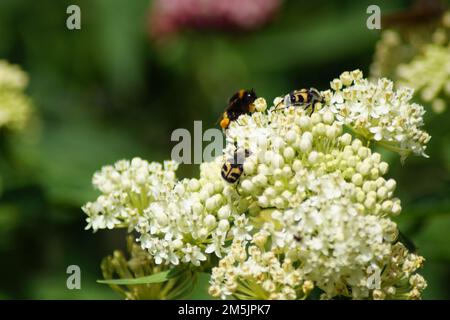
233, 168
303, 97
240, 103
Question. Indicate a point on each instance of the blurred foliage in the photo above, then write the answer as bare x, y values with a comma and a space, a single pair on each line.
107, 92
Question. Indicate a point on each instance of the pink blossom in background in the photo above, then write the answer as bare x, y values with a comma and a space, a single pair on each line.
170, 16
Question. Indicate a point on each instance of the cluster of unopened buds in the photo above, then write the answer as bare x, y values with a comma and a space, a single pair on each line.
310, 214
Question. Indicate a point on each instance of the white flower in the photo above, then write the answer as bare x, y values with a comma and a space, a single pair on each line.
193, 255
376, 112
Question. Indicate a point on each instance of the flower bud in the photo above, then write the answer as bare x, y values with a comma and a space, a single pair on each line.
210, 221
224, 212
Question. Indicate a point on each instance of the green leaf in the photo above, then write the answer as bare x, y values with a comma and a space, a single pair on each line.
154, 278
200, 291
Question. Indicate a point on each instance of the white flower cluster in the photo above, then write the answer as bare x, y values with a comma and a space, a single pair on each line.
338, 239
378, 113
255, 274
127, 189
429, 73
318, 199
197, 219
14, 105
178, 221
418, 58
310, 210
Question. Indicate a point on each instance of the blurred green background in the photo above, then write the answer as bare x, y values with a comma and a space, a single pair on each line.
108, 92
